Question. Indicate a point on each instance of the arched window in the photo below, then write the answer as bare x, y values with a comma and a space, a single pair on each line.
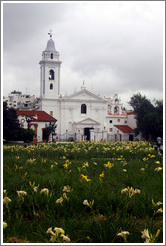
116, 109
51, 55
51, 74
83, 108
51, 86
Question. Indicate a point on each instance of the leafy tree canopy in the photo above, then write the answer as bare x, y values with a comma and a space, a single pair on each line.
50, 128
11, 127
149, 116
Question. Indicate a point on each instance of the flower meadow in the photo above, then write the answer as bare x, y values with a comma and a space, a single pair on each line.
83, 192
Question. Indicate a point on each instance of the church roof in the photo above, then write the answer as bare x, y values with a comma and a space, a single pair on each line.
124, 128
50, 45
37, 115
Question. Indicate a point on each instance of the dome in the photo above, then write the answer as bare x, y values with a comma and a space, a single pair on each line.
50, 45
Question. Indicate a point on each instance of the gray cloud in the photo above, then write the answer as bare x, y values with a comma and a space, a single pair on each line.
113, 46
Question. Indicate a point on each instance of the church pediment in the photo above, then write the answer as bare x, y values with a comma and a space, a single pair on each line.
87, 121
84, 95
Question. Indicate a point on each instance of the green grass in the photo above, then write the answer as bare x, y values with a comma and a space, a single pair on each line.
28, 219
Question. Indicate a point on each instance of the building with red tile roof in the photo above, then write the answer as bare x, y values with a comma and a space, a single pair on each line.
39, 120
124, 128
39, 116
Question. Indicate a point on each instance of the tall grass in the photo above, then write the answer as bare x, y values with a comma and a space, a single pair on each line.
53, 166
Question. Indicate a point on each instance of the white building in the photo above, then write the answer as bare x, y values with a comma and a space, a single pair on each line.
82, 115
17, 100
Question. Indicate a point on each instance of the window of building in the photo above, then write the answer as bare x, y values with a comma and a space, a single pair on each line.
51, 55
125, 122
110, 121
83, 108
110, 129
51, 113
51, 74
116, 109
118, 120
51, 86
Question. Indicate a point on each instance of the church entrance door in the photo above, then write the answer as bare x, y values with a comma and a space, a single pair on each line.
87, 133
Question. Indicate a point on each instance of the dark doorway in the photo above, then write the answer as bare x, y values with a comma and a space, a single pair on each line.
87, 133
45, 135
131, 137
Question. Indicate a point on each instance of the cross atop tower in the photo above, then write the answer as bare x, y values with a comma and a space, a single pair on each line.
50, 33
83, 85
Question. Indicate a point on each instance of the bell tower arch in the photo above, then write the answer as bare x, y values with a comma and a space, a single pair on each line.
50, 71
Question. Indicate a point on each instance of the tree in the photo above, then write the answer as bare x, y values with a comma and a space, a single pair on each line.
12, 131
28, 135
149, 116
50, 129
11, 126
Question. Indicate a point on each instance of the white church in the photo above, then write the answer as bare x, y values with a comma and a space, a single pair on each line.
82, 115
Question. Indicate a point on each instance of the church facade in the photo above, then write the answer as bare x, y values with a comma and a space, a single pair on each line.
82, 115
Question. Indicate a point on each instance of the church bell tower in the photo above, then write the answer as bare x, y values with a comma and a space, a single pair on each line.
50, 71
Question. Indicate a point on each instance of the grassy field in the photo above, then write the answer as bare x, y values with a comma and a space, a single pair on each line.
83, 193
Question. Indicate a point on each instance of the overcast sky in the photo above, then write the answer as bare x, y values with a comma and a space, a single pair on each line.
115, 47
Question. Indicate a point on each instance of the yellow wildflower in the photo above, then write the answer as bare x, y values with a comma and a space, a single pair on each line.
65, 197
86, 203
158, 169
124, 190
130, 191
21, 193
101, 176
44, 191
159, 211
6, 200
50, 231
66, 239
157, 162
85, 165
89, 204
31, 161
124, 234
35, 188
4, 225
66, 188
85, 177
59, 230
60, 200
58, 236
149, 238
142, 169
66, 165
109, 164
156, 204
145, 234
152, 156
